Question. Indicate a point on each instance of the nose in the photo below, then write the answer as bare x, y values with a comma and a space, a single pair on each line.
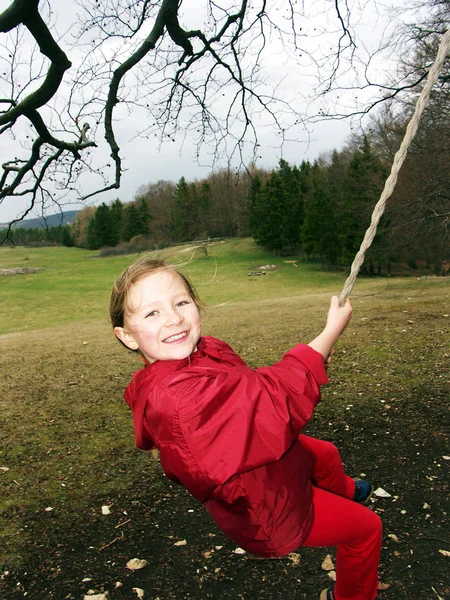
173, 317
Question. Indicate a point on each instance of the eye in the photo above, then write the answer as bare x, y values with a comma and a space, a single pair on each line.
152, 313
183, 302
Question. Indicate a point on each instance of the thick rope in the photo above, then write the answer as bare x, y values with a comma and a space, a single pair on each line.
389, 186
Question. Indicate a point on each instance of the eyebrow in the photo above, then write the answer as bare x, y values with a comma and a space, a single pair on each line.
146, 306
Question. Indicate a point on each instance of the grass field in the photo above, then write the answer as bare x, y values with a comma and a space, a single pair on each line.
66, 436
74, 285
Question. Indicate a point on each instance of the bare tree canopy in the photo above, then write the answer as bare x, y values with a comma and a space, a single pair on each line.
198, 72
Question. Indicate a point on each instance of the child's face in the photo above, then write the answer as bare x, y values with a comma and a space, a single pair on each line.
161, 318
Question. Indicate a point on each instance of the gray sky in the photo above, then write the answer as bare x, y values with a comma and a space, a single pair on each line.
146, 162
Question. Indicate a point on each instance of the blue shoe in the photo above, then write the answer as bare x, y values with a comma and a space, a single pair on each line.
363, 491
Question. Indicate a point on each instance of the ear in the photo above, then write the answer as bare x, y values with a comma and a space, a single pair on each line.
125, 338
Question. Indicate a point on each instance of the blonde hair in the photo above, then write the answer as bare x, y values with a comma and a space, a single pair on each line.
140, 268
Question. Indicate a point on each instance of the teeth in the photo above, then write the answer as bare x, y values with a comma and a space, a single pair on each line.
174, 338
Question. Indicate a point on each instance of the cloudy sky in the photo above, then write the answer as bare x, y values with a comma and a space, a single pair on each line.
145, 161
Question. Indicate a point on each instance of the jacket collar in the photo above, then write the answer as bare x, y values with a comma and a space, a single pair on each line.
205, 347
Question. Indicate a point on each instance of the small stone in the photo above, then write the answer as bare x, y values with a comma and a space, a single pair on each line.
136, 563
105, 510
295, 557
327, 564
380, 493
240, 551
139, 592
181, 543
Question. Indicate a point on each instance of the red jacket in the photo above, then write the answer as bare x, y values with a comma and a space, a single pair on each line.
229, 435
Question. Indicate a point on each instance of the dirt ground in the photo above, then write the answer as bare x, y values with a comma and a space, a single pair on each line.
392, 424
89, 553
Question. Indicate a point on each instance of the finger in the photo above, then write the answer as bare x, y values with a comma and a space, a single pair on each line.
334, 301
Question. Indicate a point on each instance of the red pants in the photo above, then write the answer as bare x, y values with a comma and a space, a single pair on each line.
338, 521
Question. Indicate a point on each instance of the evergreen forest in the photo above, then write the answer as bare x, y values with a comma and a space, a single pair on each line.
318, 210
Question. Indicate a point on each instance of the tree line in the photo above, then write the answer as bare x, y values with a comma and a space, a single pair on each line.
318, 210
58, 235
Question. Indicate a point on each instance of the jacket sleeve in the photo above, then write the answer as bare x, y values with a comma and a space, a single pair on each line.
235, 420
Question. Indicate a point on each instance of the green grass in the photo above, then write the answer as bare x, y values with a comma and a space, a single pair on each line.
74, 286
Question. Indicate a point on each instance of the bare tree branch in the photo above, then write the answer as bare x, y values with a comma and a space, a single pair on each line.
209, 83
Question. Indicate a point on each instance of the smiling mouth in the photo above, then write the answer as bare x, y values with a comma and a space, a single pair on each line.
175, 338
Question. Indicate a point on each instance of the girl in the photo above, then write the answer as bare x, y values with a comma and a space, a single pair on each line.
231, 435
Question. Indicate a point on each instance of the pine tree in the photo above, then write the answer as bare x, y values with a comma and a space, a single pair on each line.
66, 239
320, 234
103, 226
116, 221
144, 217
255, 205
204, 202
92, 238
185, 211
131, 224
276, 208
365, 179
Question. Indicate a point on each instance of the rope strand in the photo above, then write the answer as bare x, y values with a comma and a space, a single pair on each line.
400, 156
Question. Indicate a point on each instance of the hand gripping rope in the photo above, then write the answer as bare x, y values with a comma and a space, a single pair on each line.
400, 156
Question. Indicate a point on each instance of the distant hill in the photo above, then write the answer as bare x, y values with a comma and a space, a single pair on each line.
64, 218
